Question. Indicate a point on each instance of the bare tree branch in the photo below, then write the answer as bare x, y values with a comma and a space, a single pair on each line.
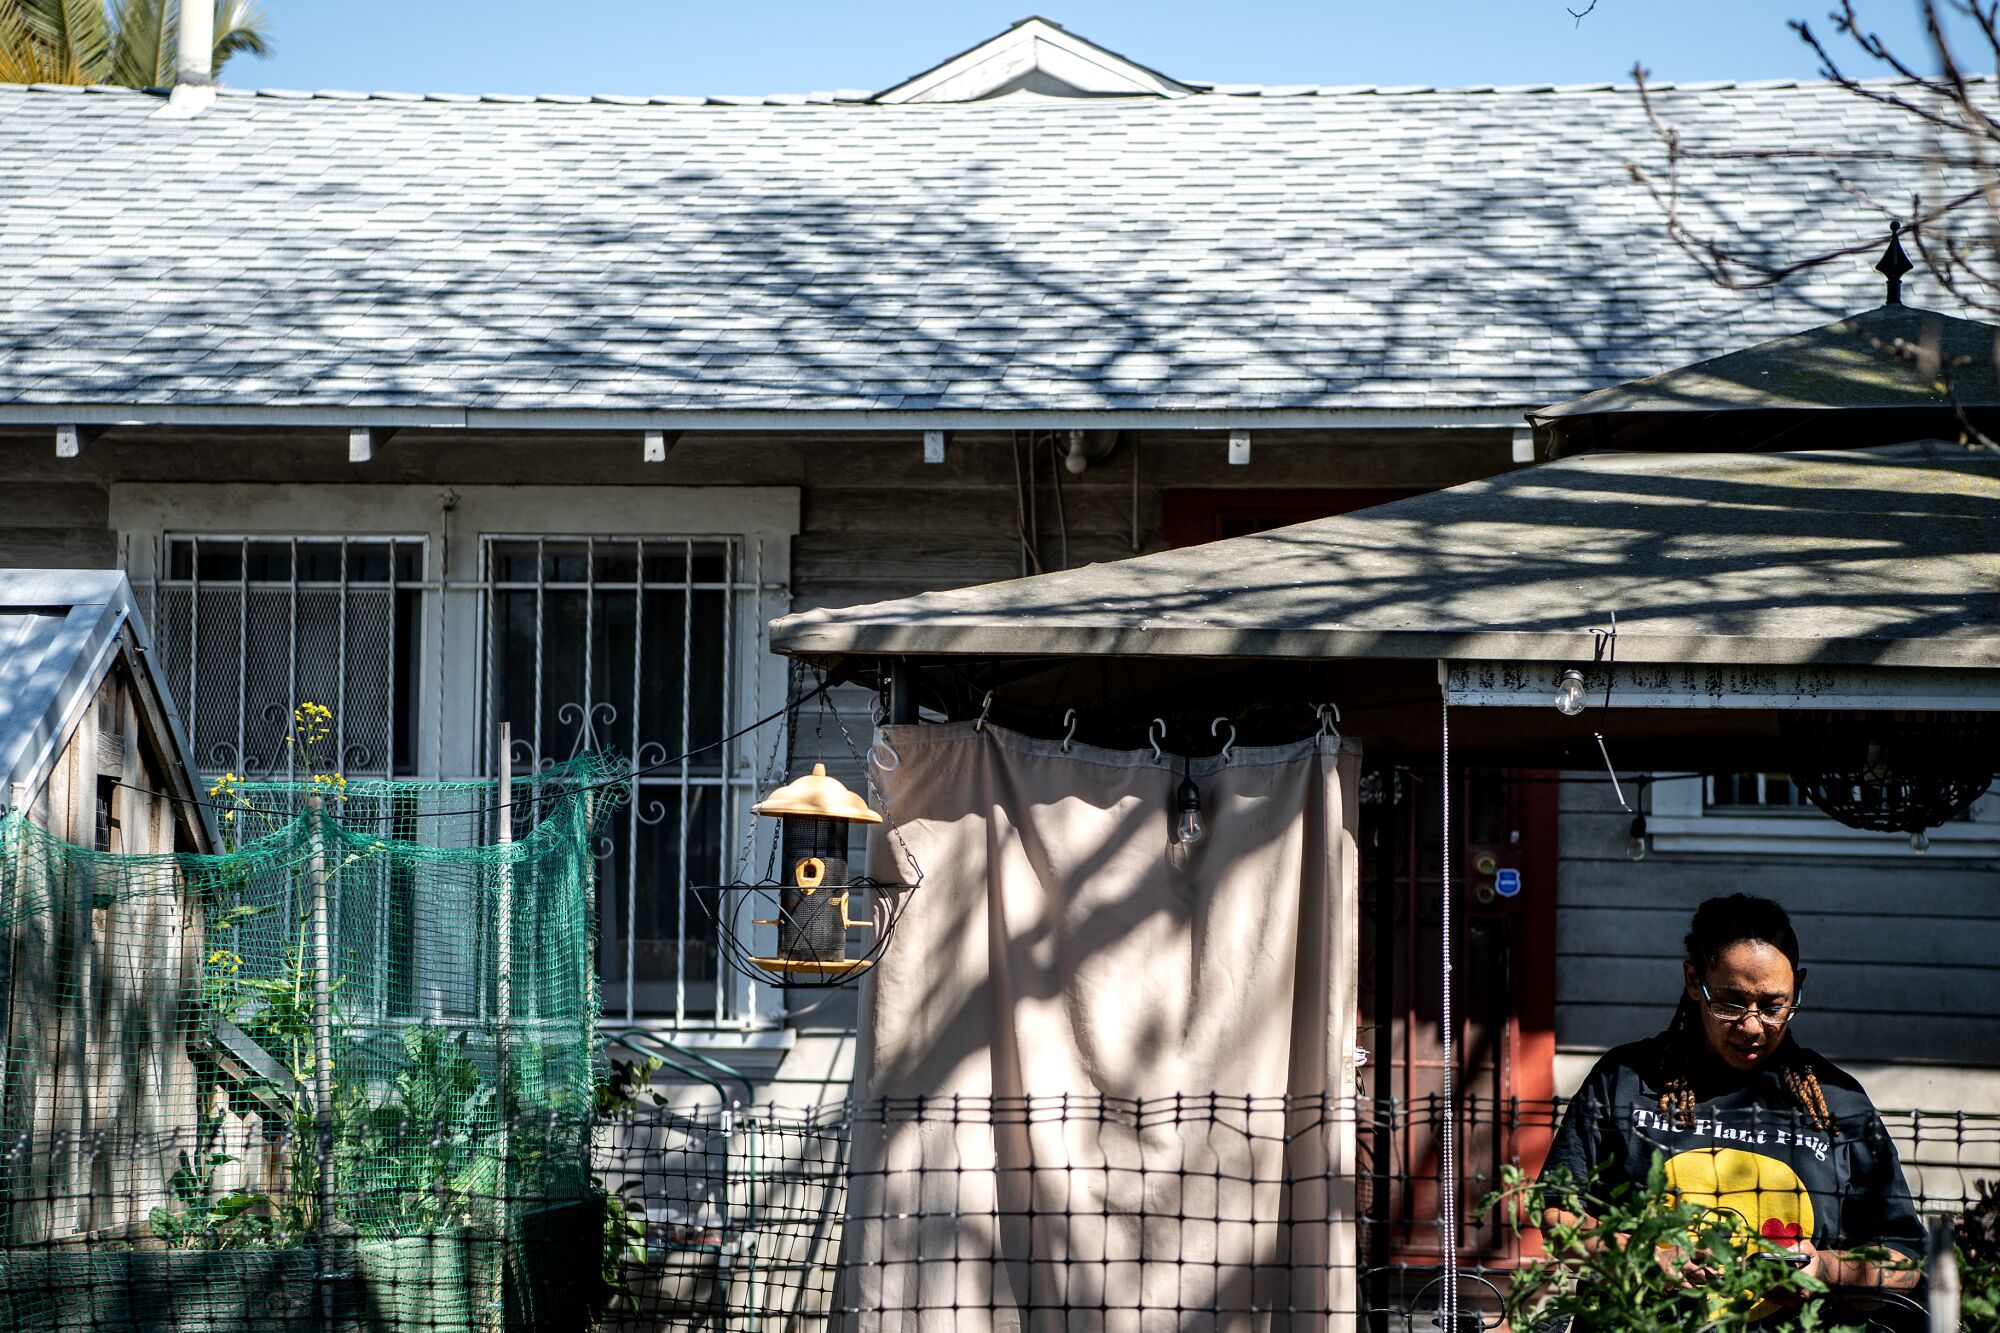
1950, 211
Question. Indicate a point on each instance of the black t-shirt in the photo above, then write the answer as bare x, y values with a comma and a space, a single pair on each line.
1751, 1150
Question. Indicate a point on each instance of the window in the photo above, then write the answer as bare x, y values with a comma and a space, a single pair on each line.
627, 619
1765, 813
248, 628
623, 644
107, 839
1759, 791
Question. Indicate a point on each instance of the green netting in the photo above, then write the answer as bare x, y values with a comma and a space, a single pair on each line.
345, 1066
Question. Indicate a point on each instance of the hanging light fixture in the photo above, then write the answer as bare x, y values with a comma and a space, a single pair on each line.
1569, 693
1892, 772
815, 814
1188, 828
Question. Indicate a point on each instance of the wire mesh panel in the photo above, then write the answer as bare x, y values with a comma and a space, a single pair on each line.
308, 1079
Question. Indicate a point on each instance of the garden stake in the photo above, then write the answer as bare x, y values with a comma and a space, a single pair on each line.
322, 1024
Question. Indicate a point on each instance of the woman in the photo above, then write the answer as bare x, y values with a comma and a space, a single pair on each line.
1750, 1123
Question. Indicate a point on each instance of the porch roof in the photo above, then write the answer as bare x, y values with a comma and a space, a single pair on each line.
1881, 557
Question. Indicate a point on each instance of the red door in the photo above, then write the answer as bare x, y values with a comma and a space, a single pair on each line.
1503, 980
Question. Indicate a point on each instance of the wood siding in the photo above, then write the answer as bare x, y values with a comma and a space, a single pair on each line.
1903, 953
878, 522
96, 992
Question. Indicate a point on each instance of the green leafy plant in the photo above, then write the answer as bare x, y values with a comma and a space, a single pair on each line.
1978, 1234
277, 1008
424, 1157
621, 1089
1611, 1275
197, 1222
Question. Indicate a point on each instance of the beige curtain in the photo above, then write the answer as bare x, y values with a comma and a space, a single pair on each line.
1101, 1087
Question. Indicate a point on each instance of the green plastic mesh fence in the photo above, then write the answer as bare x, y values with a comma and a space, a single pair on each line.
337, 1076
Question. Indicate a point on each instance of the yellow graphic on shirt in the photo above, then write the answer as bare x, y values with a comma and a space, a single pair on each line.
1763, 1191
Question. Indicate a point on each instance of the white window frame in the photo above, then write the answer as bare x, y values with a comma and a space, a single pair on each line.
1680, 820
453, 521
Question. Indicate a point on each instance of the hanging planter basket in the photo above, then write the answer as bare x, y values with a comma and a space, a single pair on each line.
1891, 772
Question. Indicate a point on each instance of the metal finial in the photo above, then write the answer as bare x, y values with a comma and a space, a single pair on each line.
1894, 264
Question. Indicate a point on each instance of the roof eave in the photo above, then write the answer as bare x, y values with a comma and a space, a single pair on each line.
862, 418
805, 635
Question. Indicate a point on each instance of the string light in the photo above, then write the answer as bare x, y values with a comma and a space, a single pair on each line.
1569, 693
1188, 828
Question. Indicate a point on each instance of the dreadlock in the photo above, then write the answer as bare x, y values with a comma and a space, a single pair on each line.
1719, 923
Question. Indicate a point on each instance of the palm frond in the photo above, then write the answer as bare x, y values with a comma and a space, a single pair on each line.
240, 25
142, 44
24, 56
77, 32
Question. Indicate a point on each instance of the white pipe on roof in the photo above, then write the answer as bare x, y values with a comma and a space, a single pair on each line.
194, 57
194, 62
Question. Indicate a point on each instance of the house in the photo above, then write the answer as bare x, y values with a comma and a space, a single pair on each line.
453, 411
94, 974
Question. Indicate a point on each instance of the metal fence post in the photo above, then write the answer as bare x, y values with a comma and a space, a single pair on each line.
504, 1004
322, 1026
1943, 1277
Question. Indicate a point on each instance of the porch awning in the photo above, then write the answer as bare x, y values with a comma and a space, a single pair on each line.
1882, 557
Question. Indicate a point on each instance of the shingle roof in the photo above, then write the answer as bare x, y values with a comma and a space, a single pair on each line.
59, 631
1298, 250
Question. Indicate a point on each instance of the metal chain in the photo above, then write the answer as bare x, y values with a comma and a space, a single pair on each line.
1447, 1136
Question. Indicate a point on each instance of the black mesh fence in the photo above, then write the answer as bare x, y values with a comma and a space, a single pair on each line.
1183, 1213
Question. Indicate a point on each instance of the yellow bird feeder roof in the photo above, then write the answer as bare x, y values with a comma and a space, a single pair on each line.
819, 795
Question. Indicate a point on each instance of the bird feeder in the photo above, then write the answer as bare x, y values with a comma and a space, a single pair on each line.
815, 813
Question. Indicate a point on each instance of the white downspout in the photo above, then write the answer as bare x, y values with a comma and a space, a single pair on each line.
194, 55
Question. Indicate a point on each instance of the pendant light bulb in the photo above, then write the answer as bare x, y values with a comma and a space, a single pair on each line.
1569, 693
1635, 842
1188, 828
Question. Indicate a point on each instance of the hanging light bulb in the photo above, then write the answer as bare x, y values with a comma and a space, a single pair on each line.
1188, 828
1635, 842
1569, 693
1920, 842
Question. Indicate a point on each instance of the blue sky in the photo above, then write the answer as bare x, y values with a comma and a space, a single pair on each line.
767, 46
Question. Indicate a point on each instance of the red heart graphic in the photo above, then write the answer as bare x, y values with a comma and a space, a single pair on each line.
1785, 1233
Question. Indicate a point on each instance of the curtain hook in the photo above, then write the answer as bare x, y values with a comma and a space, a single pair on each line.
984, 709
1159, 726
1328, 725
1069, 720
1215, 729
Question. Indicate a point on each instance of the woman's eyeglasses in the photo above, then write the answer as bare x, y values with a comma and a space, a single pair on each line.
1736, 1013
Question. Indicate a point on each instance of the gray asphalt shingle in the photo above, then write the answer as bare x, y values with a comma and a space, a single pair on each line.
1290, 248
